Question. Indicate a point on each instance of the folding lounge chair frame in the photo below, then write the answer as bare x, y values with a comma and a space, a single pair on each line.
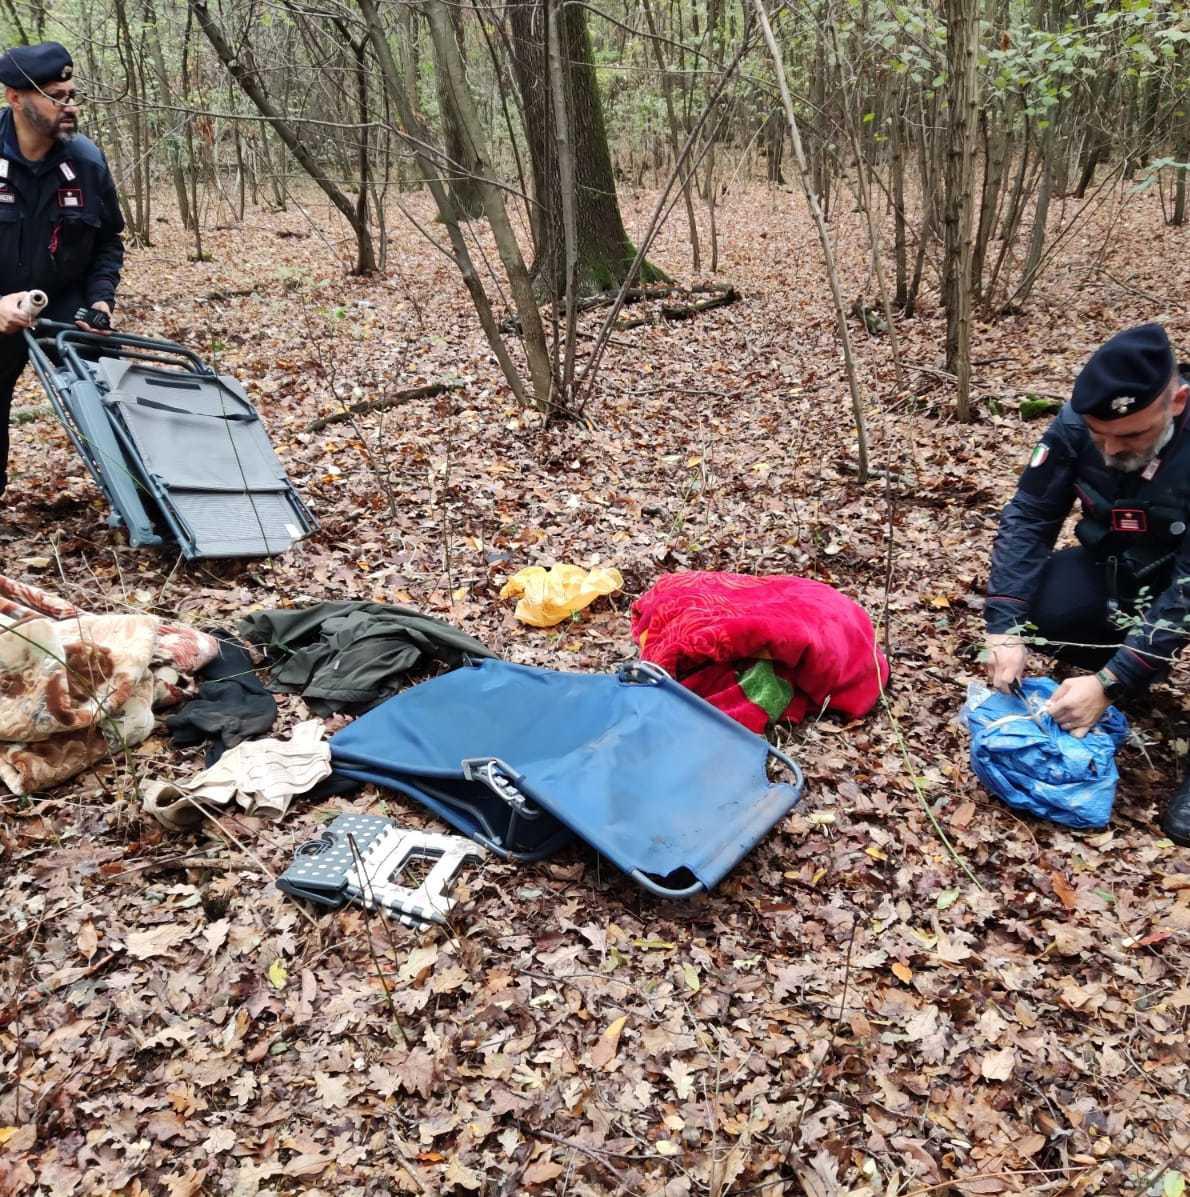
175, 448
667, 787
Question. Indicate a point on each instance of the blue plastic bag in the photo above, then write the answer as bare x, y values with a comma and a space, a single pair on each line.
1024, 758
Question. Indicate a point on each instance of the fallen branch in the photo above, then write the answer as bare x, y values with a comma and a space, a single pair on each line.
1130, 286
394, 400
683, 312
723, 292
605, 299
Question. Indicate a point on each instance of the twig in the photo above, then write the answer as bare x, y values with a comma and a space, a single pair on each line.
187, 860
890, 499
933, 370
594, 1153
89, 971
367, 903
393, 400
959, 1181
834, 1031
406, 1163
1140, 291
904, 747
208, 814
830, 1043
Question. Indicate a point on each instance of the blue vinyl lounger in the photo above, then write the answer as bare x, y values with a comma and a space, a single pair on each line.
670, 789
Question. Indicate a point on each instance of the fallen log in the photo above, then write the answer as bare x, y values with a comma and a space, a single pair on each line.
605, 299
724, 292
394, 400
686, 311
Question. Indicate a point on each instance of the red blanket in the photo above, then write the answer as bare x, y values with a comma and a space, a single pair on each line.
762, 649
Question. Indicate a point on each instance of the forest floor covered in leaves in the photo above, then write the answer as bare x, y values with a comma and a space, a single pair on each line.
850, 1012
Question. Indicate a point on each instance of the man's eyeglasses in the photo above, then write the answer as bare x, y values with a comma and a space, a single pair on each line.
65, 99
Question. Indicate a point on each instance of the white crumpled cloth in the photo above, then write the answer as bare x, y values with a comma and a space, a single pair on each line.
261, 776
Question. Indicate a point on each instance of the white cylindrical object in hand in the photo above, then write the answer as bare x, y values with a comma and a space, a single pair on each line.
31, 306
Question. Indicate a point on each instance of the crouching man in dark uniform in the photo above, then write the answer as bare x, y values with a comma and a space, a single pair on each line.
60, 220
1119, 602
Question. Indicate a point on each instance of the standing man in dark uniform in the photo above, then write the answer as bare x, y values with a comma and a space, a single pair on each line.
60, 220
1119, 602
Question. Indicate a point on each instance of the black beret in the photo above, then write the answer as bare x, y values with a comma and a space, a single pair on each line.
1125, 374
25, 67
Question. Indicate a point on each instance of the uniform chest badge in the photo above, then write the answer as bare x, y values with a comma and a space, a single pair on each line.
7, 195
70, 197
1129, 519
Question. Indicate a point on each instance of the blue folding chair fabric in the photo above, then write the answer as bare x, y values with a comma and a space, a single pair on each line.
1026, 760
670, 789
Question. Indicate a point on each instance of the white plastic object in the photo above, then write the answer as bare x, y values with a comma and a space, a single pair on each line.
31, 306
394, 851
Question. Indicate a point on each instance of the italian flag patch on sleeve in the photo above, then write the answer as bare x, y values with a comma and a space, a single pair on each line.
1040, 453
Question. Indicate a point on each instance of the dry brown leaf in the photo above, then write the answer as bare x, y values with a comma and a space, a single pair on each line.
307, 1164
459, 1174
142, 945
998, 1066
417, 1072
215, 934
542, 1171
332, 1090
188, 1184
1067, 894
88, 939
604, 1052
221, 1139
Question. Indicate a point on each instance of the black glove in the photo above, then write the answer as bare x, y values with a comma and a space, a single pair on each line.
95, 317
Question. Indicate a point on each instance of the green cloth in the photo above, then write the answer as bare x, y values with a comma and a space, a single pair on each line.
345, 656
763, 687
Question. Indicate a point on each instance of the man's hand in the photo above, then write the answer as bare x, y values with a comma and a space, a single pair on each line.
1077, 704
1006, 659
12, 319
100, 305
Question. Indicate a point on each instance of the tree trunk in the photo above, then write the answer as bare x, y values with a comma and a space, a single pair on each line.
675, 139
604, 251
450, 63
1095, 152
1183, 155
400, 94
463, 165
153, 32
900, 246
995, 148
1040, 220
1178, 218
803, 169
774, 147
962, 53
252, 88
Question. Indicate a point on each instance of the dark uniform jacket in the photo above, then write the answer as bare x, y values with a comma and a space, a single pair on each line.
1134, 523
60, 224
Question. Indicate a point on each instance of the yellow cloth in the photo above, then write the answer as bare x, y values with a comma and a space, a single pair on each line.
547, 598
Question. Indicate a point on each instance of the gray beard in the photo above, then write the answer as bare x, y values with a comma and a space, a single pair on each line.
1128, 463
1133, 463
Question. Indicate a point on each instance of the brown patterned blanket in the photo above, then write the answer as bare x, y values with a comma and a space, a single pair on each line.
75, 687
